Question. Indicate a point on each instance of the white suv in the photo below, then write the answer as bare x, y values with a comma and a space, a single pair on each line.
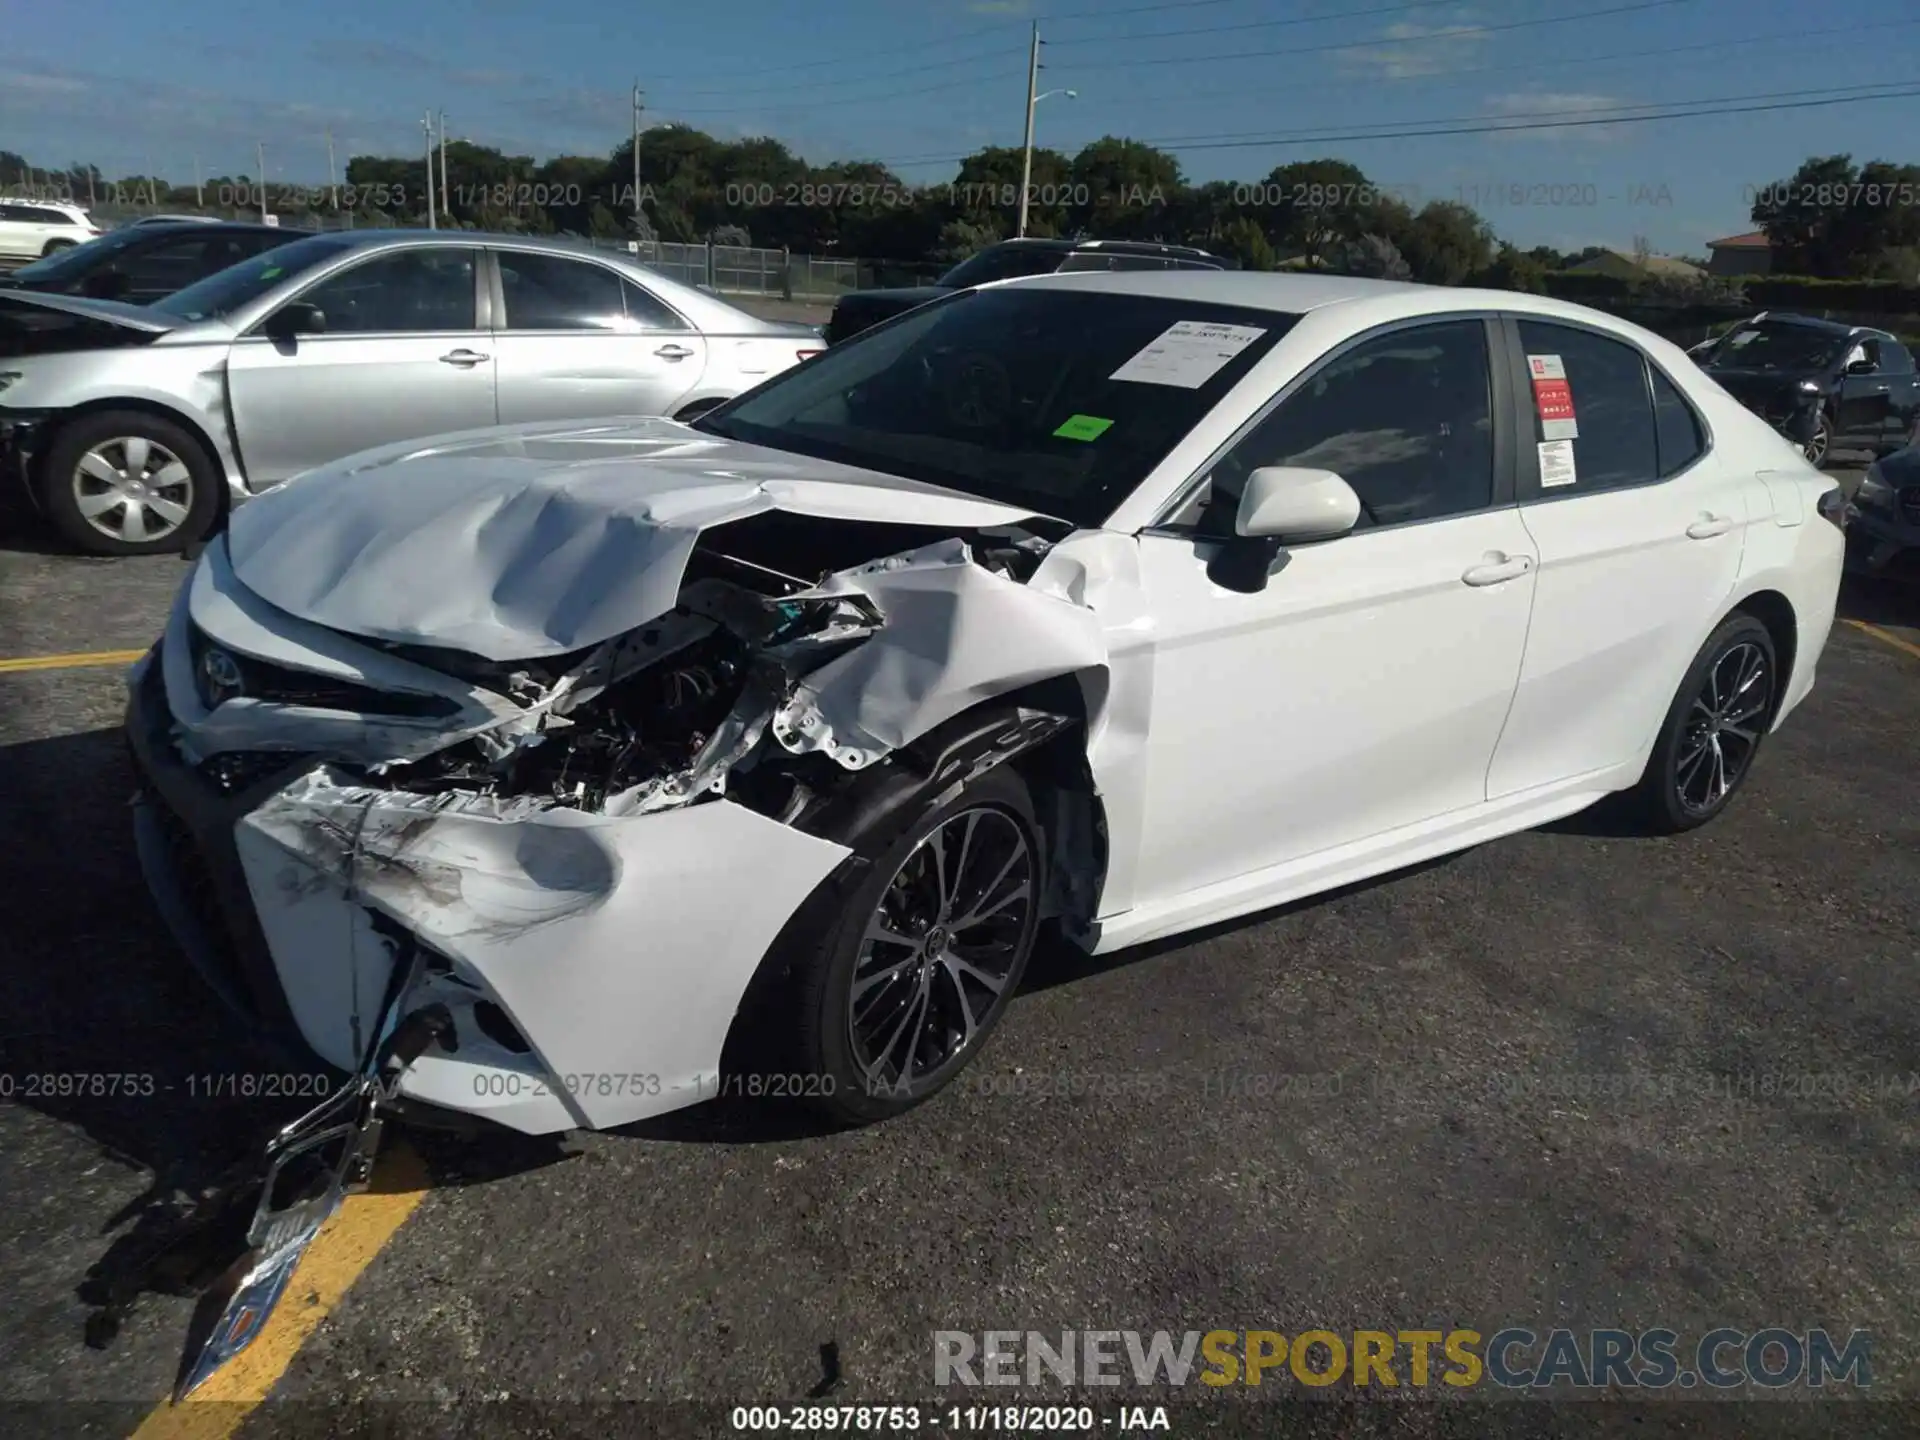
32, 228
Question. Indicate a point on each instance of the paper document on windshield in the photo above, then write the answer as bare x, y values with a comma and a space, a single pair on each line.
1188, 353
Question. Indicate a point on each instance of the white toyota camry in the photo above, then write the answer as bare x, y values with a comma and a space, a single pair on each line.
527, 764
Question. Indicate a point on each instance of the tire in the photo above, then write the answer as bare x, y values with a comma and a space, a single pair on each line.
93, 460
1676, 793
54, 247
871, 1060
1816, 449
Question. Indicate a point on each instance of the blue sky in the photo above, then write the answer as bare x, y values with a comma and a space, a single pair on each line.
924, 81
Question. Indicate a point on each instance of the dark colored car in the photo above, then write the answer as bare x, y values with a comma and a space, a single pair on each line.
146, 262
1008, 260
1883, 534
1853, 387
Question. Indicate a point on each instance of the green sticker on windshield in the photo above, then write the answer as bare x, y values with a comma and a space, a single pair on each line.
1083, 427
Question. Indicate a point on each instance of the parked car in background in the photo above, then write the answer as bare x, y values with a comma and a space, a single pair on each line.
1883, 541
145, 262
1856, 385
861, 309
134, 428
32, 228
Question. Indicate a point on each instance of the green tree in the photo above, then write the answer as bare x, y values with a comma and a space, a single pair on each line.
1124, 189
1313, 206
1513, 269
1446, 243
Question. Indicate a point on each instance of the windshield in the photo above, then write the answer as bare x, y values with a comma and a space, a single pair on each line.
67, 265
1777, 346
224, 292
1056, 401
1001, 262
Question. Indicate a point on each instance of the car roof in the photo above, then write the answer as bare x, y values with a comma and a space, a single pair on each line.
1369, 302
708, 312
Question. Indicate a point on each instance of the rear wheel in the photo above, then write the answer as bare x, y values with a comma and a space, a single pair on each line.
126, 482
54, 247
920, 963
1713, 729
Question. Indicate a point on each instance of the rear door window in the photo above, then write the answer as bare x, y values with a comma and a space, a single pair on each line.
1605, 382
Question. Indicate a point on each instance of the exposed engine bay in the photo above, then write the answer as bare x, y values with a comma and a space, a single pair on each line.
682, 706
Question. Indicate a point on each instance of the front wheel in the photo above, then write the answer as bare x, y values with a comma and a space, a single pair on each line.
1712, 731
1816, 448
922, 960
127, 482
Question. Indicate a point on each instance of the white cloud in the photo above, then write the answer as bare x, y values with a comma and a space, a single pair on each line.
1524, 107
1409, 50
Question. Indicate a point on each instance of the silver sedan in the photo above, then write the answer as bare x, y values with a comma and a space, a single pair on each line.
135, 428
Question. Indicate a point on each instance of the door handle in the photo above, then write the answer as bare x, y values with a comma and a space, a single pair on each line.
465, 359
1882, 389
673, 352
1497, 569
1708, 526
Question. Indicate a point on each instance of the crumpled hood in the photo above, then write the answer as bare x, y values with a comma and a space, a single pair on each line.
537, 540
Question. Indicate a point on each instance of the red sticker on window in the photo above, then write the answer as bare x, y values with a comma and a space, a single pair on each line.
1555, 399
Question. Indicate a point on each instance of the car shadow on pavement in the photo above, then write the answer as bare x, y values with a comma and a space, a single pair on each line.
1879, 602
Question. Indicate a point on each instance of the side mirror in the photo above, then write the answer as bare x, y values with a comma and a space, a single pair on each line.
295, 318
1859, 365
1286, 502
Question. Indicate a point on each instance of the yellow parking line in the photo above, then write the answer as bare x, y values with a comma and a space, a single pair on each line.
344, 1248
1888, 636
71, 662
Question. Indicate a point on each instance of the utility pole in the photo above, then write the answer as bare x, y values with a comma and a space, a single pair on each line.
637, 108
1033, 97
199, 188
260, 154
153, 189
333, 190
445, 209
89, 185
426, 125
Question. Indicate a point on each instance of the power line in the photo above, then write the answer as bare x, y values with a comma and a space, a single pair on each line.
1536, 22
1584, 61
1563, 113
1400, 9
1429, 38
782, 107
884, 75
1583, 120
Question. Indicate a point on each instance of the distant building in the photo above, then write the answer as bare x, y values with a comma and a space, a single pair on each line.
1748, 254
1620, 264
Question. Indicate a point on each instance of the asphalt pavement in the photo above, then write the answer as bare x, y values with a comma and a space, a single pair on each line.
1363, 1111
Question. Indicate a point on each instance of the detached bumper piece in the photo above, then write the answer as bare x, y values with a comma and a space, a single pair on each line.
311, 1167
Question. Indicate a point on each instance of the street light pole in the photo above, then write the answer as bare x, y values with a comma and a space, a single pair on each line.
260, 154
638, 107
333, 190
426, 126
1033, 97
445, 209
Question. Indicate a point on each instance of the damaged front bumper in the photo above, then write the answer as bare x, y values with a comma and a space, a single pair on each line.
591, 965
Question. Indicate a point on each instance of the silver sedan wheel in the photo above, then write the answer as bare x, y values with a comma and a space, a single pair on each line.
133, 489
